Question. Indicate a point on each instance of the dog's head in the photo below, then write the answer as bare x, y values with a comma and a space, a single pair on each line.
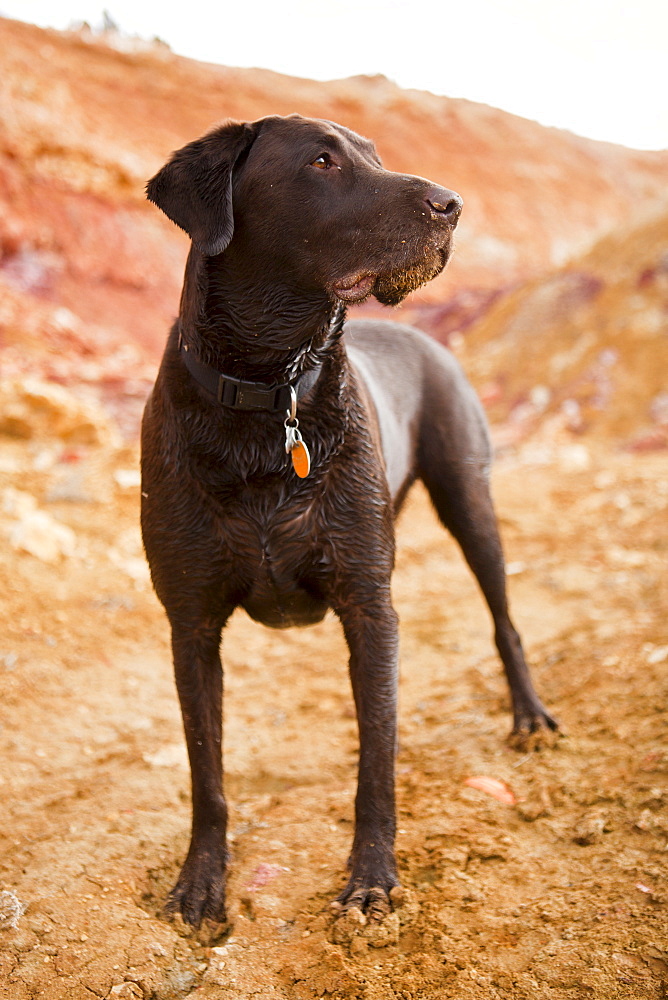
309, 201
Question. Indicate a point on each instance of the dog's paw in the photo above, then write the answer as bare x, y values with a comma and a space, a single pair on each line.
534, 728
199, 893
363, 903
368, 890
359, 931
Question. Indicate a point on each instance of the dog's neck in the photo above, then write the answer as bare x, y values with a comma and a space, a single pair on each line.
250, 328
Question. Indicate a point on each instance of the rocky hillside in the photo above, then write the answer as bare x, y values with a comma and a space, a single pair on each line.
583, 351
90, 272
86, 120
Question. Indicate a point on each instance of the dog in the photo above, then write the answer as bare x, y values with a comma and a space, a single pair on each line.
279, 443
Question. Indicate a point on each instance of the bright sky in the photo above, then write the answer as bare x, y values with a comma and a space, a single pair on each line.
596, 67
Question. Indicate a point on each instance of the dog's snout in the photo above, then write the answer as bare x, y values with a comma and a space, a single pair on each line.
445, 204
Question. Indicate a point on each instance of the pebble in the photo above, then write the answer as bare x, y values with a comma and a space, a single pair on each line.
40, 535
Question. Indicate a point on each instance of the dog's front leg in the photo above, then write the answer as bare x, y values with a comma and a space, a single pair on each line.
372, 636
200, 890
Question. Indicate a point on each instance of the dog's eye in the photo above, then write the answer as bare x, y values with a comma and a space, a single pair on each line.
322, 162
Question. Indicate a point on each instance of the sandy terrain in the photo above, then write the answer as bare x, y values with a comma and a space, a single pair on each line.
561, 894
557, 893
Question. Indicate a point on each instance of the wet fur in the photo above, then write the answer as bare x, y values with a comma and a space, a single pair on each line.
278, 242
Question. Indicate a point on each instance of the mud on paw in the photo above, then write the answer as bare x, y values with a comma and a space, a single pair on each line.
357, 930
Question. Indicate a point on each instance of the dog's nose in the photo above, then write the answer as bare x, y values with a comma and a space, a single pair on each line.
445, 204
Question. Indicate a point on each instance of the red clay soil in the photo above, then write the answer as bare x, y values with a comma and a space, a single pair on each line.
86, 121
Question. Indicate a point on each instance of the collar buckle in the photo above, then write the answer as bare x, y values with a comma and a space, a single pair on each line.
238, 394
241, 395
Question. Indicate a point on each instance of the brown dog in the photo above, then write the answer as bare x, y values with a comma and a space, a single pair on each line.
291, 218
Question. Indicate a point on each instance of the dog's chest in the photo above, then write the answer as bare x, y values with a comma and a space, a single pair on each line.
278, 562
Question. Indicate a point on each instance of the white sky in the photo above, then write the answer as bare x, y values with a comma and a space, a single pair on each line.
596, 67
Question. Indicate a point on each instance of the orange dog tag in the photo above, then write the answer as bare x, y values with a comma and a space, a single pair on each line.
301, 460
294, 444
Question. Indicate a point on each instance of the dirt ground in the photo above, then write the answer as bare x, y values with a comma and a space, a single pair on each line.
560, 895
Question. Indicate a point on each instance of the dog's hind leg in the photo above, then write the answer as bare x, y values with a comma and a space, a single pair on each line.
456, 476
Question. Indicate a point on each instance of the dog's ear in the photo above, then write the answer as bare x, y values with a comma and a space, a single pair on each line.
194, 189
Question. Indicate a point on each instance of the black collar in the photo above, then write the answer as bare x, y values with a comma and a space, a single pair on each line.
242, 395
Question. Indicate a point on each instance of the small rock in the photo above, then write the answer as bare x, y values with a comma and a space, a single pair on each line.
574, 458
532, 810
171, 755
515, 568
40, 535
127, 479
126, 991
590, 829
11, 910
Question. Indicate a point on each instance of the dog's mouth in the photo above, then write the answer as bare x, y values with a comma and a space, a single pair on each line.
391, 287
355, 288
